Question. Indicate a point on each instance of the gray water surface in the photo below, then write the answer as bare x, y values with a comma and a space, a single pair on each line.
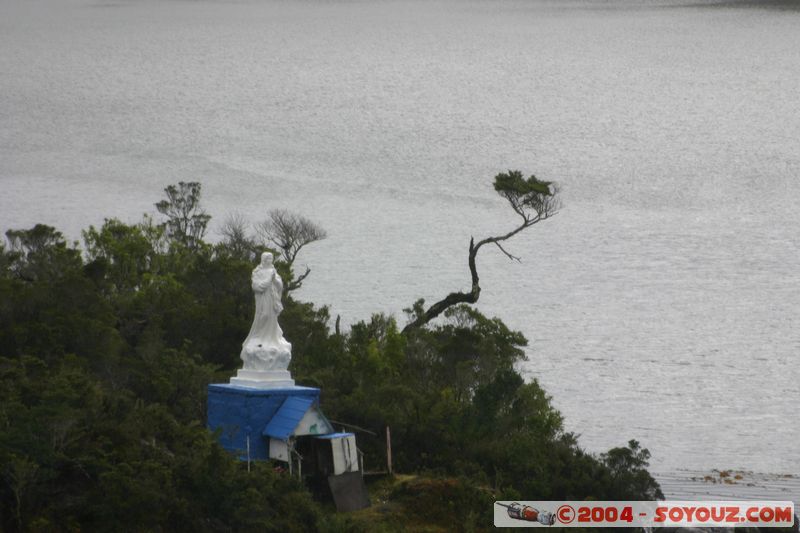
661, 304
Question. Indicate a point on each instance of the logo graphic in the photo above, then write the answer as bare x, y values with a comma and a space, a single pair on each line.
644, 514
565, 514
527, 513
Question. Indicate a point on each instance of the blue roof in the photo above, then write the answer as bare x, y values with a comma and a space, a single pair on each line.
285, 420
334, 435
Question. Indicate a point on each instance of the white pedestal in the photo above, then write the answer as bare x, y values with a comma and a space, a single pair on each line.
255, 379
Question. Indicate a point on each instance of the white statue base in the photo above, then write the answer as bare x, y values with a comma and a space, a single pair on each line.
263, 379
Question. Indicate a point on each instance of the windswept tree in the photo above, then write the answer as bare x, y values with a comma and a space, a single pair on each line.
186, 221
289, 233
533, 200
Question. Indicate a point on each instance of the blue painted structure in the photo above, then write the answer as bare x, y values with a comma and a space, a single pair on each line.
259, 414
287, 417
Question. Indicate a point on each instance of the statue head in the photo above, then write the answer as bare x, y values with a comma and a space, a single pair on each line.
266, 259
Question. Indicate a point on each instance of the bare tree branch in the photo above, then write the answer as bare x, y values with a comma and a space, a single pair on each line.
296, 283
289, 233
512, 257
235, 237
234, 228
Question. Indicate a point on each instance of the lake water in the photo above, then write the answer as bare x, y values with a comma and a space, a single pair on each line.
662, 303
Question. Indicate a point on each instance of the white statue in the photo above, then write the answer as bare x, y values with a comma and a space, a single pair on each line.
266, 354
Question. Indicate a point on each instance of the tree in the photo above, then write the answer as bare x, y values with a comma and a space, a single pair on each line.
533, 200
628, 472
186, 221
126, 253
40, 253
289, 233
236, 241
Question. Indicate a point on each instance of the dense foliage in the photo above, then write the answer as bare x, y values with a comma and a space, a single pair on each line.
106, 351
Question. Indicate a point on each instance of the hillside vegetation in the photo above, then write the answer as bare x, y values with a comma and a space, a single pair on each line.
106, 349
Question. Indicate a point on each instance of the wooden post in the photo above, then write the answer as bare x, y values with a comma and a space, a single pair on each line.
299, 467
389, 450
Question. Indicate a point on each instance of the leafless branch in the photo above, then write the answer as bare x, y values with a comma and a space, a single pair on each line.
288, 233
296, 283
512, 257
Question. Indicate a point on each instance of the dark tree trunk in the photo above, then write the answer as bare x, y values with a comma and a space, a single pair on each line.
454, 298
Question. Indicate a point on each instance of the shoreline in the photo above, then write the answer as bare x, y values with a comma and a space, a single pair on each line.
728, 485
